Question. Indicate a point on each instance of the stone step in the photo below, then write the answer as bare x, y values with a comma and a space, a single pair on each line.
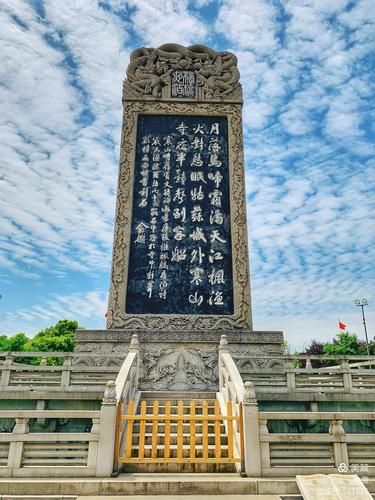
40, 497
156, 484
173, 469
185, 439
186, 497
173, 428
174, 401
174, 409
153, 484
178, 395
185, 452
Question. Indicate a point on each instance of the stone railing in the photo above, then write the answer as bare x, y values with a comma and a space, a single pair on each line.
28, 454
268, 453
118, 395
231, 388
353, 375
69, 454
286, 454
69, 377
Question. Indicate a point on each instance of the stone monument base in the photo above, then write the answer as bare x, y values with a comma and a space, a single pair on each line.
180, 360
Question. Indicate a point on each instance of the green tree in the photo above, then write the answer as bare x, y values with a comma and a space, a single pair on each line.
17, 342
343, 344
59, 337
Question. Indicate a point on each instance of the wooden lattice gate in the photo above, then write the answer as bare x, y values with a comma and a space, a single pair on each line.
171, 435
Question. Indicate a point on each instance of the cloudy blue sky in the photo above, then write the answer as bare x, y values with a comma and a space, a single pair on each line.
307, 74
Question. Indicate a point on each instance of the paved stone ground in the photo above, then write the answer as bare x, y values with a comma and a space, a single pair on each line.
184, 497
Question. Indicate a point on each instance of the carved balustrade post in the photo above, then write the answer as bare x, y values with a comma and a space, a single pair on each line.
251, 432
107, 431
66, 370
264, 444
290, 375
135, 347
92, 455
346, 375
223, 348
340, 450
6, 370
16, 447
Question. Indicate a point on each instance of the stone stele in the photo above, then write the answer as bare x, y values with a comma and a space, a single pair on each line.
188, 83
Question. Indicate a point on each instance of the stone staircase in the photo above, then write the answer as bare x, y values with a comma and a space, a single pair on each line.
174, 397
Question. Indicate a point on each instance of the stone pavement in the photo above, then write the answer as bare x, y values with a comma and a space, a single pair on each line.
183, 497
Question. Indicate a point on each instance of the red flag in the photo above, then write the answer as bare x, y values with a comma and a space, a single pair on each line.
106, 315
342, 326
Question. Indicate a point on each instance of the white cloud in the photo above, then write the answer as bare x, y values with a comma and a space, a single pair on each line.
158, 23
307, 135
250, 25
342, 125
59, 173
83, 307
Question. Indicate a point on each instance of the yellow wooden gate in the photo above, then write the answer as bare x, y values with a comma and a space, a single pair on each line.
177, 437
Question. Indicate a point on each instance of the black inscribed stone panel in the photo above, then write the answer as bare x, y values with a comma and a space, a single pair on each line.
180, 251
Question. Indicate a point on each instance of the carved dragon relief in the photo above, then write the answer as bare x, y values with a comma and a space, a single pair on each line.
179, 369
241, 319
150, 69
246, 362
112, 359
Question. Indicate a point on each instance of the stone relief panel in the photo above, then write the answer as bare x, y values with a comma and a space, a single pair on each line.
152, 73
270, 339
98, 361
180, 369
246, 363
88, 347
97, 356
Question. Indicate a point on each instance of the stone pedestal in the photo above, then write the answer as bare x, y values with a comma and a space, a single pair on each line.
180, 360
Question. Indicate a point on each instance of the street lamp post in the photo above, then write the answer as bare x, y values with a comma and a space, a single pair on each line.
362, 303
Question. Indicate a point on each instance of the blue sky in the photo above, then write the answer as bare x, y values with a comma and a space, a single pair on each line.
307, 74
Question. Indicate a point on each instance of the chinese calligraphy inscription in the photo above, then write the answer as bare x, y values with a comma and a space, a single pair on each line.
180, 253
183, 84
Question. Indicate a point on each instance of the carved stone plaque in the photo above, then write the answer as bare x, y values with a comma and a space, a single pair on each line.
180, 235
180, 258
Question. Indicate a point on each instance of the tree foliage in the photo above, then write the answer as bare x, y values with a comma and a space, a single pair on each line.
58, 338
16, 342
346, 344
343, 344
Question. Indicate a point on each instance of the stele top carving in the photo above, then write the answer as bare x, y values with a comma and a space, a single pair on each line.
172, 71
